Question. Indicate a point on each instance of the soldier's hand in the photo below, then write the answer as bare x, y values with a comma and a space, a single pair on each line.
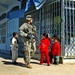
29, 36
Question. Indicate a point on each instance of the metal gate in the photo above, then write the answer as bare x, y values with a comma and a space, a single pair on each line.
69, 28
58, 18
51, 18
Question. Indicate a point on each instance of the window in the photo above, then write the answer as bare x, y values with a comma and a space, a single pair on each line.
3, 33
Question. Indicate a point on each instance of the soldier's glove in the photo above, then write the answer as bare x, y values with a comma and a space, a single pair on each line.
30, 36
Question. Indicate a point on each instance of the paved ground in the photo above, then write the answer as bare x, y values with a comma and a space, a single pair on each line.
6, 68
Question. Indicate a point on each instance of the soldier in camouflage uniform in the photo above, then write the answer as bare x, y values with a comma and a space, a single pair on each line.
28, 32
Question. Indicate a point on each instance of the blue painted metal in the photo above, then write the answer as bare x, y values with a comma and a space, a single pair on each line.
16, 14
12, 26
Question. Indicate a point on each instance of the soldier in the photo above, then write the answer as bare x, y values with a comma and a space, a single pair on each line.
28, 32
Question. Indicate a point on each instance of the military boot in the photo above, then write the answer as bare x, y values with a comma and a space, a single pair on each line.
28, 66
25, 61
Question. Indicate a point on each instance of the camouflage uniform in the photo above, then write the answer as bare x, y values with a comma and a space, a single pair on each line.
29, 43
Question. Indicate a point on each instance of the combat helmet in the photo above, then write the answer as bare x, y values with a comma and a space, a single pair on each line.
29, 17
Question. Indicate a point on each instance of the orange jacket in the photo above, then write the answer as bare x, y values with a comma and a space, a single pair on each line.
44, 44
55, 50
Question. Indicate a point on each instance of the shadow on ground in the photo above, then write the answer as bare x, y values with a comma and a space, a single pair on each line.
34, 62
8, 56
10, 63
18, 64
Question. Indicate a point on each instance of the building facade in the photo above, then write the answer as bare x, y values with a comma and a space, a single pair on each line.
55, 17
7, 26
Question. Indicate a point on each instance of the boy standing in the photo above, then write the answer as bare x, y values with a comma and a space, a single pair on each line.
14, 48
55, 50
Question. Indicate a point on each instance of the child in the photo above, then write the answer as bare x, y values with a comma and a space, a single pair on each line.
14, 48
44, 45
55, 50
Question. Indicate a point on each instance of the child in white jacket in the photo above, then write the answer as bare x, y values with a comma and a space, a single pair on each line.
14, 48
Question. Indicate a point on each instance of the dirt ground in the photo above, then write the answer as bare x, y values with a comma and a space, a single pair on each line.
7, 68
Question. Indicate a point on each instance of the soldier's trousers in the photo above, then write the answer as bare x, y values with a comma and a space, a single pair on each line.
14, 54
29, 51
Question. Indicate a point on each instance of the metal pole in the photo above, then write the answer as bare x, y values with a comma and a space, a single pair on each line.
62, 29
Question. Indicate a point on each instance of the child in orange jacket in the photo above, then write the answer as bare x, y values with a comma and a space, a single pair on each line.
44, 45
55, 50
